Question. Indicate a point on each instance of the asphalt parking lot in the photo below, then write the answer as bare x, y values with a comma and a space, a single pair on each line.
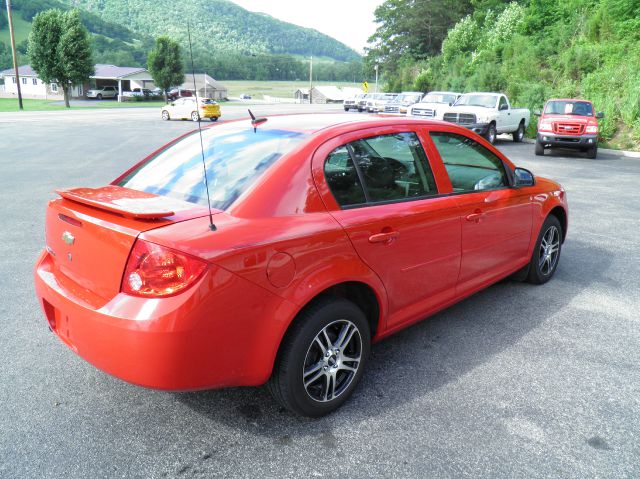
516, 381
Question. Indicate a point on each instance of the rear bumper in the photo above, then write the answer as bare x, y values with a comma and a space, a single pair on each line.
567, 141
224, 331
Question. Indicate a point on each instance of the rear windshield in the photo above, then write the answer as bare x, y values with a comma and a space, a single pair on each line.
235, 158
580, 108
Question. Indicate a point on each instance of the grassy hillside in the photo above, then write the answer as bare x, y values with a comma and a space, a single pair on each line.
218, 26
537, 49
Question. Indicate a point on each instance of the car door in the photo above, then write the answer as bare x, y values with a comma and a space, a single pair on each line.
381, 189
505, 120
496, 219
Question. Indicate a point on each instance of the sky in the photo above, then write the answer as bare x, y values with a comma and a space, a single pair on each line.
350, 21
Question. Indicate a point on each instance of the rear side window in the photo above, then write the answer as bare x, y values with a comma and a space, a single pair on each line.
471, 167
381, 168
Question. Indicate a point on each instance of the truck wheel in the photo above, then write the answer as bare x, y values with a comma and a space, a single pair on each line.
539, 148
518, 135
491, 134
592, 152
321, 358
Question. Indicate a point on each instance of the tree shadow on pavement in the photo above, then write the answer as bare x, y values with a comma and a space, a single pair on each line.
423, 358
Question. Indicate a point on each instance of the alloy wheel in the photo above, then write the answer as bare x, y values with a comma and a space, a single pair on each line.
332, 360
549, 250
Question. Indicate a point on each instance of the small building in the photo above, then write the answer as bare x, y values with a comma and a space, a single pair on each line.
301, 95
32, 87
206, 86
123, 78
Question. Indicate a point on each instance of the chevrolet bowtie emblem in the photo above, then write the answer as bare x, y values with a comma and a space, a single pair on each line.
68, 238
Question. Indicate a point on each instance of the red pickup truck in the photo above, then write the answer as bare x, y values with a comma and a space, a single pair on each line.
568, 123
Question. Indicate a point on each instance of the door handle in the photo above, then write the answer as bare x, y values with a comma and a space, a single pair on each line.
385, 237
476, 216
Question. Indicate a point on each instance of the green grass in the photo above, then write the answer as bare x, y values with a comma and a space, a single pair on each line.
11, 104
281, 89
21, 30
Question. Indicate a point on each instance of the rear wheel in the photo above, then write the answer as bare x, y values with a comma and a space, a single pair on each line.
165, 115
518, 135
195, 116
214, 118
546, 254
321, 358
539, 148
592, 152
346, 109
491, 134
99, 97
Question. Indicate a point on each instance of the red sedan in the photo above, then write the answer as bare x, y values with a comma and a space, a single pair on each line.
326, 233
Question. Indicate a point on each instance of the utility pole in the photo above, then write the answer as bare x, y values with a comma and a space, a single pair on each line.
376, 69
13, 50
310, 79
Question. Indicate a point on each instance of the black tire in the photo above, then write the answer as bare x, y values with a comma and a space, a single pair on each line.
300, 350
491, 134
99, 96
542, 270
518, 135
539, 148
592, 152
214, 118
346, 109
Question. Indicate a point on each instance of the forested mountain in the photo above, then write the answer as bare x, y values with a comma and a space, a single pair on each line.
531, 49
228, 41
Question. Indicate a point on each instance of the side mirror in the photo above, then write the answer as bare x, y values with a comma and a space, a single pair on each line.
504, 107
600, 115
523, 177
537, 113
173, 104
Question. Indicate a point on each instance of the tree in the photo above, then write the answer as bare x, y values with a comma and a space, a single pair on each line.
165, 64
60, 49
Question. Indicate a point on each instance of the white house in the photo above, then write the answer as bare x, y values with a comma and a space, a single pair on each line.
123, 78
207, 86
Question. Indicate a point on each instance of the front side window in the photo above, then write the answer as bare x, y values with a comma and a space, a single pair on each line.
388, 168
471, 167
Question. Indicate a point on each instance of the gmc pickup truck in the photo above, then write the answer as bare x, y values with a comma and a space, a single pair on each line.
568, 123
488, 115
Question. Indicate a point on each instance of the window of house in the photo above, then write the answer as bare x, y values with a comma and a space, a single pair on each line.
471, 167
24, 80
54, 87
13, 79
34, 81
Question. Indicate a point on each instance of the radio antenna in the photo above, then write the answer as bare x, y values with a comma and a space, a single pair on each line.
212, 227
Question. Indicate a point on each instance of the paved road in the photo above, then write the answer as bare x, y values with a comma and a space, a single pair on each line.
516, 381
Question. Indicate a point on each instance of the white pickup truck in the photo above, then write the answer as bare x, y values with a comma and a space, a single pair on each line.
488, 114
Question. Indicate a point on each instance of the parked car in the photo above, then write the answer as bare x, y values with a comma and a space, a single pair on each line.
403, 101
103, 92
352, 103
488, 114
377, 103
568, 123
325, 233
137, 92
362, 101
176, 93
187, 109
244, 96
432, 103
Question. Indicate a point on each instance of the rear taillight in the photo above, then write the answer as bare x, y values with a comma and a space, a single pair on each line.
156, 271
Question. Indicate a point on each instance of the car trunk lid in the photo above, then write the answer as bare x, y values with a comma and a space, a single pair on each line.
90, 233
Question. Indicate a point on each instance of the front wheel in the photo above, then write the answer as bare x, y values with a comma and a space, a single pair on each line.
214, 118
165, 115
195, 116
539, 148
518, 135
321, 358
592, 152
99, 97
491, 134
546, 254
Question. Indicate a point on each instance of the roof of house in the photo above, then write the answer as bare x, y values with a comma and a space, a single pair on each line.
212, 83
23, 71
112, 71
329, 91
